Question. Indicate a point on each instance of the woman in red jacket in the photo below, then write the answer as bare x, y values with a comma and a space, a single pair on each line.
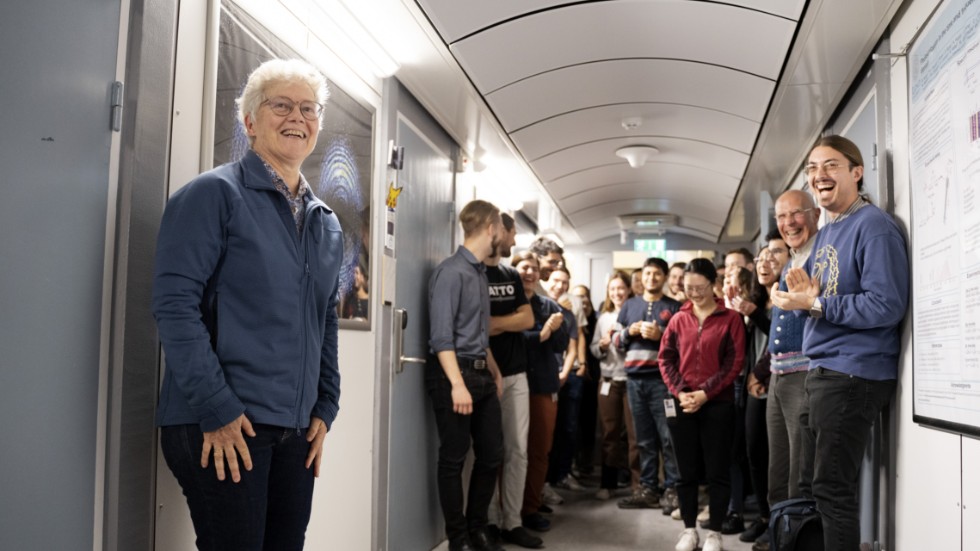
701, 352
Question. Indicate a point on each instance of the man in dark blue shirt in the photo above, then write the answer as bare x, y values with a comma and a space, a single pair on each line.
463, 380
644, 319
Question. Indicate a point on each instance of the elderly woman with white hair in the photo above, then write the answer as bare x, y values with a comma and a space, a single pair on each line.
245, 297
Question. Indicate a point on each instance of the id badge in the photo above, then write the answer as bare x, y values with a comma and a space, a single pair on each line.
604, 389
670, 408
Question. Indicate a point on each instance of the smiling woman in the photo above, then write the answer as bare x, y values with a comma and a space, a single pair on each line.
338, 169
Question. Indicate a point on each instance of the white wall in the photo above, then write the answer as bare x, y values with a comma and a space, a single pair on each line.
936, 473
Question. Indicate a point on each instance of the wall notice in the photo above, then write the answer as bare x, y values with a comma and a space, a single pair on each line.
944, 95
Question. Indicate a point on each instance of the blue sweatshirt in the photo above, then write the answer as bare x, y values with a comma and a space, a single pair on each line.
863, 268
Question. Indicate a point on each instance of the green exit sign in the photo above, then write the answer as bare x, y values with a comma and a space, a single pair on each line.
653, 247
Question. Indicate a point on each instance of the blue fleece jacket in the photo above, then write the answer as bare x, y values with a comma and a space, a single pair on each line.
246, 308
863, 268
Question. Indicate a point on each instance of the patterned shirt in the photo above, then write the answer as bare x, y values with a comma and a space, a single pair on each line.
297, 203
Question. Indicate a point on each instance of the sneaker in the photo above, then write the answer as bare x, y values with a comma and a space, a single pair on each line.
733, 524
704, 515
761, 544
676, 514
536, 522
644, 498
754, 531
569, 483
520, 536
669, 501
688, 540
550, 496
603, 494
712, 542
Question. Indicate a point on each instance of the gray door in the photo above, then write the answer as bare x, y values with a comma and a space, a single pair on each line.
59, 62
424, 237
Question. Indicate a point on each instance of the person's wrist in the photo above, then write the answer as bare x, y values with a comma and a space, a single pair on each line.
816, 308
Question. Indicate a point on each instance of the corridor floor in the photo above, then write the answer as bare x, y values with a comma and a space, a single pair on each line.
584, 523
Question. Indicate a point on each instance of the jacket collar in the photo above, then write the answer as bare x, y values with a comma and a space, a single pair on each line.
257, 177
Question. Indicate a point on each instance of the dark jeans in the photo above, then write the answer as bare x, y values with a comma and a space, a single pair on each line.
757, 446
705, 435
566, 428
267, 510
836, 419
646, 398
483, 426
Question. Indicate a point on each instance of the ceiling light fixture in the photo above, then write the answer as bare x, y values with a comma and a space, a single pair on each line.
637, 155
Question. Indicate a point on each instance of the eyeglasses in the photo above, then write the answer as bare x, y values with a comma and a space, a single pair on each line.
766, 260
696, 289
795, 214
283, 106
829, 167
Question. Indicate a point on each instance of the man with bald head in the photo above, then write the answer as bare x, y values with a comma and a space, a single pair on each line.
853, 291
796, 220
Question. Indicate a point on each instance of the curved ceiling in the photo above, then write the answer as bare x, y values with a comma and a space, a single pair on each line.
697, 76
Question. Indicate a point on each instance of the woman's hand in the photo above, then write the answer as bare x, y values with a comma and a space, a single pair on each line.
691, 402
315, 435
462, 401
227, 443
755, 388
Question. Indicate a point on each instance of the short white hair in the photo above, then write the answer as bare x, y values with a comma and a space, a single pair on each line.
279, 71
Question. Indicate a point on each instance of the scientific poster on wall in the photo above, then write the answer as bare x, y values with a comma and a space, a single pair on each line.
944, 104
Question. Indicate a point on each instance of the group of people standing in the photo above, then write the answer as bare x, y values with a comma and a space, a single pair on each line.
785, 359
765, 373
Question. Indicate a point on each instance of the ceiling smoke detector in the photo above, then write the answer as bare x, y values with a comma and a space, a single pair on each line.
637, 155
632, 123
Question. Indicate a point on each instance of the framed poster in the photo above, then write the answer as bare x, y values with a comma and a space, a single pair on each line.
944, 117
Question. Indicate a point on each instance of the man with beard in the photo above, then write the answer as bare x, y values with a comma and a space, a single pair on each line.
855, 288
510, 314
463, 380
644, 319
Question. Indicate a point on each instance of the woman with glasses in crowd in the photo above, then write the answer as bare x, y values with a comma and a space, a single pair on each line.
701, 353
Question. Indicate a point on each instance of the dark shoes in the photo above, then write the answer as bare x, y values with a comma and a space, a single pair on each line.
545, 509
536, 522
480, 541
669, 501
733, 524
520, 536
644, 498
754, 530
761, 544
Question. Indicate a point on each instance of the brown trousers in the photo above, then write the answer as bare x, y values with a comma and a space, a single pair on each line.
614, 416
541, 430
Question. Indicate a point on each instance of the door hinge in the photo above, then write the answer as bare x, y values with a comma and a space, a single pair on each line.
117, 105
874, 156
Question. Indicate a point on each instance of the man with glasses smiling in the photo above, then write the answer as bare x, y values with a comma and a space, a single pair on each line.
855, 288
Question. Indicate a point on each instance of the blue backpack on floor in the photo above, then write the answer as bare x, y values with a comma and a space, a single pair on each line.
795, 525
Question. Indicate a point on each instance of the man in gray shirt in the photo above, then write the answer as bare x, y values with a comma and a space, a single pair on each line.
463, 380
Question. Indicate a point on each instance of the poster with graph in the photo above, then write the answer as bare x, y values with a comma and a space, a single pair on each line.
944, 113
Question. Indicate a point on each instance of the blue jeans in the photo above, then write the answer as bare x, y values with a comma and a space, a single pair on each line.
268, 509
566, 428
456, 431
838, 413
646, 397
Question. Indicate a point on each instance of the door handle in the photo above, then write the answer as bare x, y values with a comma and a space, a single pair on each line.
401, 322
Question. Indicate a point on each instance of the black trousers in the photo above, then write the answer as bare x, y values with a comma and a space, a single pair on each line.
705, 435
483, 428
757, 446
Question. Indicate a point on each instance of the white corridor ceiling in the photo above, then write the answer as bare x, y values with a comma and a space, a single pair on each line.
561, 77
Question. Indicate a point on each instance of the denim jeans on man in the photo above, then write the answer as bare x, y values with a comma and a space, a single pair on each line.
483, 426
646, 398
268, 509
838, 413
